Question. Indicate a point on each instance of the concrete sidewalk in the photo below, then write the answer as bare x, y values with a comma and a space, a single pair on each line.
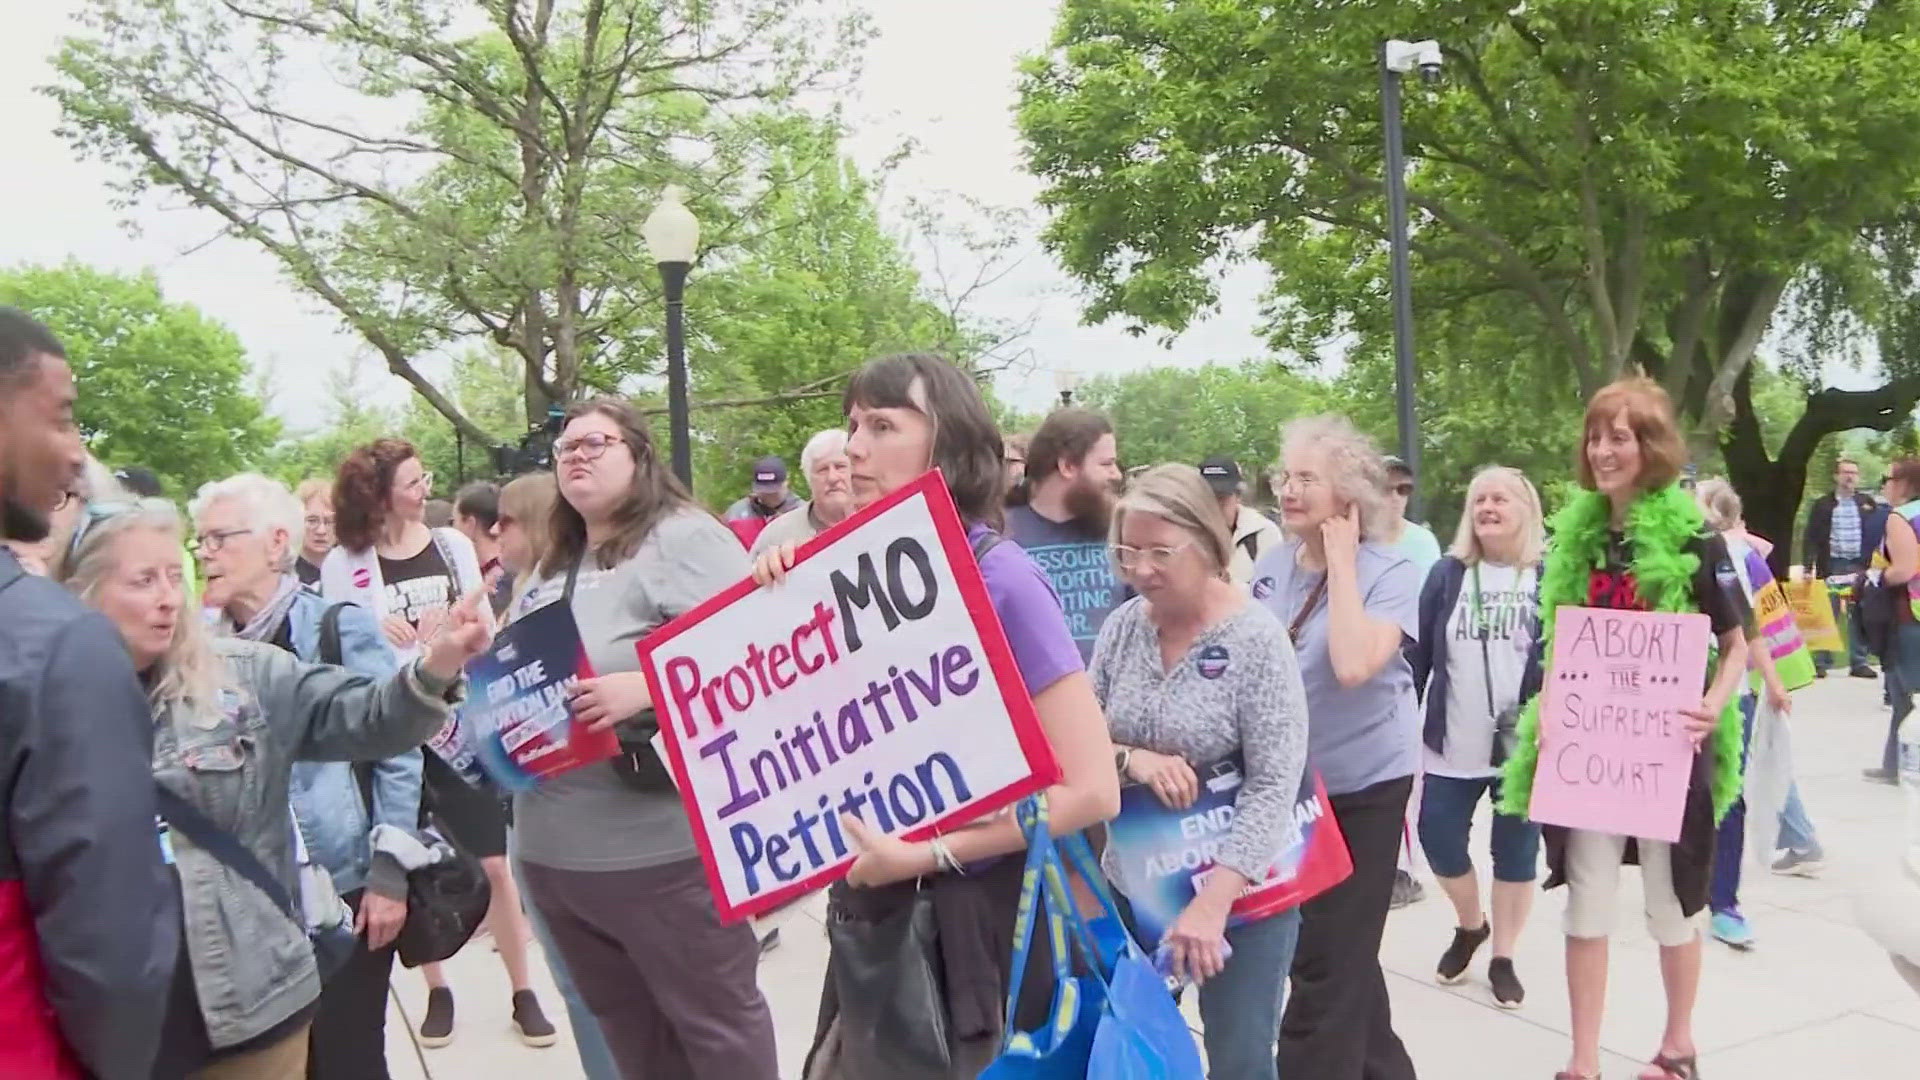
1815, 998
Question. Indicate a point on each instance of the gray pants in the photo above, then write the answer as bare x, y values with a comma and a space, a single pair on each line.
676, 993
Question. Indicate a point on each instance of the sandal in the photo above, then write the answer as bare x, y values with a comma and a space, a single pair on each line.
1674, 1068
1576, 1076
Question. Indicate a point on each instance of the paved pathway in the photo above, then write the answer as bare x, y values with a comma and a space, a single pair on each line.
1816, 998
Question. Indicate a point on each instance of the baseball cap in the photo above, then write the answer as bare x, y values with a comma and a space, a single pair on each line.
1222, 474
769, 473
139, 481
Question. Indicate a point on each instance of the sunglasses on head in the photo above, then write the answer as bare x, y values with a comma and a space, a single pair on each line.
96, 513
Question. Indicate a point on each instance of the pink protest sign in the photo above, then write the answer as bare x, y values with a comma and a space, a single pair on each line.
1614, 752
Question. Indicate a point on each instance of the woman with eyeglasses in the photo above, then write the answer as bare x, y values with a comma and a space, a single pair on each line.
606, 849
1196, 677
390, 563
247, 529
905, 415
1350, 604
316, 535
231, 718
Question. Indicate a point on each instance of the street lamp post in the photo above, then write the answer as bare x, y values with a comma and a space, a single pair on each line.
1066, 381
1396, 59
672, 234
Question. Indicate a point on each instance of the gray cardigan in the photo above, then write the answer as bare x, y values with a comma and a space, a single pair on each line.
252, 968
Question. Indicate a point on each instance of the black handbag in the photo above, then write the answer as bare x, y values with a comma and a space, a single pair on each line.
332, 945
1880, 615
887, 977
446, 903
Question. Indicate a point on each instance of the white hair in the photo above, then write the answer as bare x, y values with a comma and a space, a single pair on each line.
825, 444
267, 504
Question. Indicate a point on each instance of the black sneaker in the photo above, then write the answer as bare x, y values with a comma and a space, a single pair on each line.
769, 941
1405, 890
1507, 991
437, 1029
1453, 962
532, 1024
1881, 776
1864, 672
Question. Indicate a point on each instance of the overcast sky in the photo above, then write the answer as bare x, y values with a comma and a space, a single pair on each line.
942, 74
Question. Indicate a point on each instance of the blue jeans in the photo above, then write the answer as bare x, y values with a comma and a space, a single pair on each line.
1903, 679
1856, 641
1796, 828
1446, 820
1723, 894
595, 1059
1240, 1007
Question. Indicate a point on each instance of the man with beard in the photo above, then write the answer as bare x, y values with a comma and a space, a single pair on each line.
1073, 477
830, 481
89, 914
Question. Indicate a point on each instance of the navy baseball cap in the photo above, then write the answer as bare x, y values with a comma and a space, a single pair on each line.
1222, 474
769, 474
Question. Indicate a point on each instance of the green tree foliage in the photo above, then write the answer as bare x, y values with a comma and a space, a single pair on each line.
160, 384
1188, 414
447, 172
1625, 185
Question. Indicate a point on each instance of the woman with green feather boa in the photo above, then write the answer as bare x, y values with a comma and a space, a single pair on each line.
1634, 540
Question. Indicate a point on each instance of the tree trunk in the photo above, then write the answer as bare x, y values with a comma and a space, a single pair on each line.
1773, 489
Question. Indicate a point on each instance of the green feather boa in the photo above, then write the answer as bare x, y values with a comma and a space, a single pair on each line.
1658, 526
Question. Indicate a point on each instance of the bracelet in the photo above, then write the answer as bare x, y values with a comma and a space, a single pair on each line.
1122, 759
943, 857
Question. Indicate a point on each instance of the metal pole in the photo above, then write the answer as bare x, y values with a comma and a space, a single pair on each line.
674, 276
1402, 285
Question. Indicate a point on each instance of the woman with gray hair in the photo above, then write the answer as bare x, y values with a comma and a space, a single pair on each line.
230, 719
1350, 605
248, 531
1199, 681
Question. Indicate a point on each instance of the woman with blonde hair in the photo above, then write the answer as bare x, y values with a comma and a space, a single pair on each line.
231, 717
521, 530
1634, 540
1477, 628
316, 535
1229, 700
1350, 604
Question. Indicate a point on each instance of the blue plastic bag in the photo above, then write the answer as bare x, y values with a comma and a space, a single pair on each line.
1120, 1022
1060, 1050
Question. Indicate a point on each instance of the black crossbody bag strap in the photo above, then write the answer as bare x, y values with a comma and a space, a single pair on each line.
187, 819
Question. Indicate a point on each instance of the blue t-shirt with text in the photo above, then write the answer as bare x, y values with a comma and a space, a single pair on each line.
1079, 568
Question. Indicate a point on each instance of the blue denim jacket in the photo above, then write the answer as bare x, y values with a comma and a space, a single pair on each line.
326, 798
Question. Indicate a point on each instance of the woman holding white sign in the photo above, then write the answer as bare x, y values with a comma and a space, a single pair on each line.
1478, 621
606, 849
1634, 540
1193, 674
1350, 603
905, 415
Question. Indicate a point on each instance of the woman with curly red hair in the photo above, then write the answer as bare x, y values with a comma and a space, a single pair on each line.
388, 561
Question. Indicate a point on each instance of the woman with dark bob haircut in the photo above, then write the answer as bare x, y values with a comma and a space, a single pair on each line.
905, 415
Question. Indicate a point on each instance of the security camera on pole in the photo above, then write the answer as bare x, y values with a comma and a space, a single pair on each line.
1396, 59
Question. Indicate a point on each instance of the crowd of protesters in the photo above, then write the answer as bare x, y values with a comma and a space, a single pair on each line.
226, 740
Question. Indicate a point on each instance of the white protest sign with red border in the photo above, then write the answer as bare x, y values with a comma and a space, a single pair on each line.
875, 681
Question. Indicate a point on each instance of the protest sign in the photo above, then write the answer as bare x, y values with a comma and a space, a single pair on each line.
1779, 631
875, 681
1160, 857
1614, 751
1813, 613
516, 717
